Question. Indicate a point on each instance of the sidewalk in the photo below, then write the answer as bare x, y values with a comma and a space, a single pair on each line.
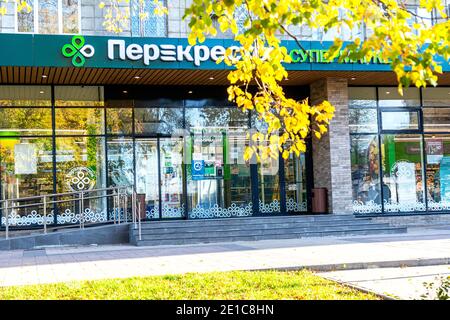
419, 247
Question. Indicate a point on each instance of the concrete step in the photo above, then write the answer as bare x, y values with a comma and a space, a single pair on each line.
268, 236
246, 221
224, 228
257, 232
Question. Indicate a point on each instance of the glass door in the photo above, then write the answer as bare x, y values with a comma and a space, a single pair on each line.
147, 175
159, 176
205, 181
171, 183
269, 186
295, 177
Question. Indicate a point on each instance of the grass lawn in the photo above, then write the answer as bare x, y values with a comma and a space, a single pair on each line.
217, 285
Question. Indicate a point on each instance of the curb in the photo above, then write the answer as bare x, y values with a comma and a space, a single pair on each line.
366, 265
356, 287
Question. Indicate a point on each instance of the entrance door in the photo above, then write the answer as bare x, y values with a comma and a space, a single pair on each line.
218, 179
147, 175
159, 176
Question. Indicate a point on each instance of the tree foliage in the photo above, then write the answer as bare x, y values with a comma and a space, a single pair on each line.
408, 41
410, 48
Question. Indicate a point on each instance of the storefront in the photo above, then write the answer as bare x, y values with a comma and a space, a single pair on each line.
181, 150
400, 149
82, 113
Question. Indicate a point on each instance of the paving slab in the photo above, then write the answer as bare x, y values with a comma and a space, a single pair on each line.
406, 283
419, 247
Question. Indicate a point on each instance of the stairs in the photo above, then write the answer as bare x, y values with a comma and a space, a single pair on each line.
178, 232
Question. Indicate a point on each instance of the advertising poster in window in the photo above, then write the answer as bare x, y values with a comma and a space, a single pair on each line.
405, 179
435, 150
25, 158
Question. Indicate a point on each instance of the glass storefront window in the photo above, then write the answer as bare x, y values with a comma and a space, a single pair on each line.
120, 161
365, 174
25, 96
79, 96
158, 120
79, 121
26, 170
436, 119
80, 166
363, 120
362, 97
437, 150
436, 97
389, 97
216, 117
119, 120
402, 173
25, 167
410, 181
401, 120
25, 121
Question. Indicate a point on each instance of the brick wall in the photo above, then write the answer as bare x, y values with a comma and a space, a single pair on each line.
331, 154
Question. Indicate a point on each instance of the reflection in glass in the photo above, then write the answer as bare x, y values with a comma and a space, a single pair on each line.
408, 120
436, 119
216, 117
171, 153
158, 120
25, 96
269, 186
402, 173
359, 97
294, 172
119, 120
120, 162
365, 174
78, 96
25, 121
389, 97
436, 97
25, 171
25, 17
363, 120
80, 166
26, 167
70, 16
79, 121
147, 181
48, 16
144, 21
437, 150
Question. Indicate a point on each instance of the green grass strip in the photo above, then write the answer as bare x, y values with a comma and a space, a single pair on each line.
261, 285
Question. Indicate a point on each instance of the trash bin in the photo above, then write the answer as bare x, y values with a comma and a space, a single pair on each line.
319, 200
140, 198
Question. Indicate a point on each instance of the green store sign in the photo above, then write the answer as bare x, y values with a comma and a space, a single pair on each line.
78, 51
157, 53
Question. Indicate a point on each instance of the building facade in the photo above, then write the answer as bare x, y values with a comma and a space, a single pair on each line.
84, 108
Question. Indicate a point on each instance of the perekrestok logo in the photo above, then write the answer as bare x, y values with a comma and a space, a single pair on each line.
78, 51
